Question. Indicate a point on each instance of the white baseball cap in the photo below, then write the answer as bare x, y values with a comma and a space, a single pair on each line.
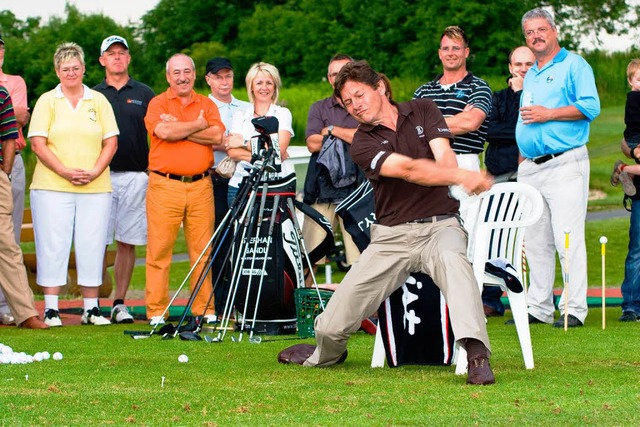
111, 40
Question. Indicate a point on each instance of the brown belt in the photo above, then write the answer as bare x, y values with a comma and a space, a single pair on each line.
181, 178
434, 218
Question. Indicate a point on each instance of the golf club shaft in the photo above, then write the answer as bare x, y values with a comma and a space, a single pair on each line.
274, 212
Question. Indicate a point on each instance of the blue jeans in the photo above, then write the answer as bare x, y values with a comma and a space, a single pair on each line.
631, 284
491, 297
231, 194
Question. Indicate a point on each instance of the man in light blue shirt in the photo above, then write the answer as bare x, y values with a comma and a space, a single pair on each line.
558, 103
219, 77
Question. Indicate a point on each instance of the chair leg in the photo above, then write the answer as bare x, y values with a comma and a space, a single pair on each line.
378, 356
460, 359
518, 303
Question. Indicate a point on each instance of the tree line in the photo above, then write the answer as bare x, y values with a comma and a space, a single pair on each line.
397, 37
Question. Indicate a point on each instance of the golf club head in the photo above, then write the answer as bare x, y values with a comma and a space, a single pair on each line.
210, 339
168, 336
192, 325
255, 340
190, 336
138, 334
167, 329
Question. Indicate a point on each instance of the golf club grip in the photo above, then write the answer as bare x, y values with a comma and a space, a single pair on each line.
263, 199
274, 211
292, 210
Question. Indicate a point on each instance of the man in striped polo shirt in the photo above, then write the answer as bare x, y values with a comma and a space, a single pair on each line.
465, 102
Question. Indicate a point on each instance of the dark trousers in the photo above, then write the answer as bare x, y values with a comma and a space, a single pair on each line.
220, 190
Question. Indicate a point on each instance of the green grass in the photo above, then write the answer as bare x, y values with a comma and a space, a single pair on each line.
585, 376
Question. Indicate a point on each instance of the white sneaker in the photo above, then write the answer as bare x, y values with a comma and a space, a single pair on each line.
156, 320
210, 318
120, 314
52, 318
7, 319
94, 317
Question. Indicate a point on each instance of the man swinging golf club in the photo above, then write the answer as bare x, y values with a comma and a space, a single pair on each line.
404, 150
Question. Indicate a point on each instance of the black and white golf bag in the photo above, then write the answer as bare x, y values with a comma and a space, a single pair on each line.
274, 256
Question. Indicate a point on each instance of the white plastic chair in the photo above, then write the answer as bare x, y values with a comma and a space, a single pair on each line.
504, 213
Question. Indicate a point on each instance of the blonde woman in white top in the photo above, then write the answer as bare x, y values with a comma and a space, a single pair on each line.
263, 87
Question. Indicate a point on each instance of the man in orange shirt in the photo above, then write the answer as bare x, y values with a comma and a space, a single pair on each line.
184, 126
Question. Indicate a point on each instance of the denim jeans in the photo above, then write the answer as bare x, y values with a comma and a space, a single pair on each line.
631, 284
491, 297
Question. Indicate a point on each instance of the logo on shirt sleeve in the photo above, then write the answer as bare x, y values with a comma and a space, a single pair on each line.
374, 162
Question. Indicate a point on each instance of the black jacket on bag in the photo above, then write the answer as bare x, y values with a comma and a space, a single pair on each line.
320, 182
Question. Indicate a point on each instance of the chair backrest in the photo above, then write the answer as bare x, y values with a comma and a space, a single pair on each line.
504, 213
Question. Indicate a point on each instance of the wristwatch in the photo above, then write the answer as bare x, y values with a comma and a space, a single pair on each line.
330, 130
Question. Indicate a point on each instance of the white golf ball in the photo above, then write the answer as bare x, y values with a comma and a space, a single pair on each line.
183, 358
6, 350
57, 356
567, 231
46, 355
38, 357
603, 240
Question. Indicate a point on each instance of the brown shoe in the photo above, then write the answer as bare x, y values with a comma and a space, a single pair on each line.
490, 311
34, 322
480, 372
296, 354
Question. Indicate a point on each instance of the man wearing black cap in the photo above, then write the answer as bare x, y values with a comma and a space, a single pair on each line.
219, 77
17, 89
129, 99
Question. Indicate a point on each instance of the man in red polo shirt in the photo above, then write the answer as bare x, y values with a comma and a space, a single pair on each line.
184, 126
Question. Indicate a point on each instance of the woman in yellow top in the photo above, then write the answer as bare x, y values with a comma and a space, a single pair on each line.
74, 134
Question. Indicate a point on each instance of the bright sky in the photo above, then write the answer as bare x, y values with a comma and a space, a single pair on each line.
122, 11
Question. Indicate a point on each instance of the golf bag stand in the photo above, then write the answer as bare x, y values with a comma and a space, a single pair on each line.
266, 256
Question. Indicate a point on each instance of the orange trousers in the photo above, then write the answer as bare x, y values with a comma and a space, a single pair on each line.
169, 204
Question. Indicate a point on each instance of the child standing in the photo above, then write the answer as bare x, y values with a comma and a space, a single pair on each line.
623, 173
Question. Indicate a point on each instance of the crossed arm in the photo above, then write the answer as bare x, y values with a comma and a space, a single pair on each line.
198, 130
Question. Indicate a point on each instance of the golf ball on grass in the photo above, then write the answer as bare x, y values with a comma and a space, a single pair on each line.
183, 358
57, 356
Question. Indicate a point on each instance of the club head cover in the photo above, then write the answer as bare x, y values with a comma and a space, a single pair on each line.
500, 267
190, 336
167, 329
266, 125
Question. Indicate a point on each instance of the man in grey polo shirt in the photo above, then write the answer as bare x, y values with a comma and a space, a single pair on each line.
327, 118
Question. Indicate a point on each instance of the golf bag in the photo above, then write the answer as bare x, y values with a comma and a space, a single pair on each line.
414, 320
273, 255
